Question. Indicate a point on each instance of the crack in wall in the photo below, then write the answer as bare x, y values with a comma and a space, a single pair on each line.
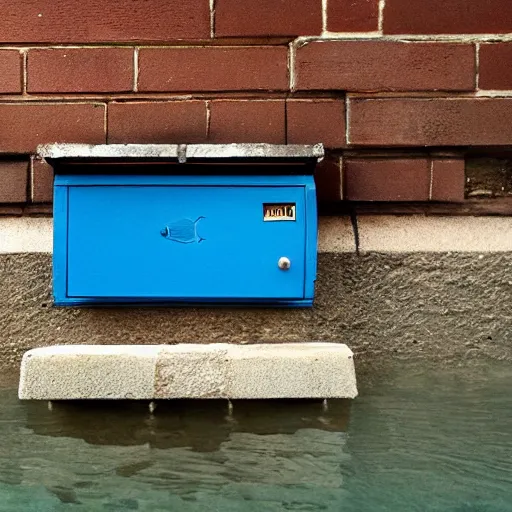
212, 18
431, 185
135, 69
24, 71
292, 52
382, 6
208, 118
347, 120
477, 65
324, 16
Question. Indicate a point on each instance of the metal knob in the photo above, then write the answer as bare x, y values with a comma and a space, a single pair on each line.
284, 263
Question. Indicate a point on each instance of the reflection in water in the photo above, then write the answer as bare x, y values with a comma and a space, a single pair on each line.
201, 425
413, 441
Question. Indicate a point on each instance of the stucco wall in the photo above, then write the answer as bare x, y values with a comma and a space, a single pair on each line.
443, 307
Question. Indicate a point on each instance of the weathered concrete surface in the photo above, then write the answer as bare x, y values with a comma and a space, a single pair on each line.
382, 233
181, 151
74, 372
444, 307
218, 370
297, 370
26, 234
193, 371
416, 233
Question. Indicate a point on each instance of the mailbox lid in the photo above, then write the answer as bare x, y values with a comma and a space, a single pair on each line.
183, 238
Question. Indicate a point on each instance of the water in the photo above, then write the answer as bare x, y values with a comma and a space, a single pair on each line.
416, 440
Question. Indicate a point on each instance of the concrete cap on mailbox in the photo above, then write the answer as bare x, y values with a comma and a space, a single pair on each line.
181, 152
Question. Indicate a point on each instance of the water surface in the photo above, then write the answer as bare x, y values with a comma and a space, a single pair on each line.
415, 440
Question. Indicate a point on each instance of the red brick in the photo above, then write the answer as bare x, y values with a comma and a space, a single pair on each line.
448, 180
247, 121
38, 209
353, 15
31, 124
328, 180
312, 121
69, 21
385, 66
388, 179
42, 181
13, 181
430, 122
267, 17
10, 71
177, 122
80, 70
495, 66
11, 211
448, 17
213, 69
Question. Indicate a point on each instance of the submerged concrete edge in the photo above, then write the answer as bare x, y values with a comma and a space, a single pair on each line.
222, 370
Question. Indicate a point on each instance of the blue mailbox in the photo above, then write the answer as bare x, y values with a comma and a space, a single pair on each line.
184, 224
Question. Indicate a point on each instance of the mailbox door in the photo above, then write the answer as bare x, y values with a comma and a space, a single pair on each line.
185, 242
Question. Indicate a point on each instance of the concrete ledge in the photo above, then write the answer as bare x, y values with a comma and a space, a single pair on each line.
308, 370
88, 371
292, 370
416, 233
26, 234
384, 234
183, 152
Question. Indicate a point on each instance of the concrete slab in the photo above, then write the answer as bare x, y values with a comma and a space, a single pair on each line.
192, 371
290, 370
183, 152
68, 372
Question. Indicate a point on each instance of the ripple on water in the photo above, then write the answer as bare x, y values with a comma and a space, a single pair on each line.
428, 440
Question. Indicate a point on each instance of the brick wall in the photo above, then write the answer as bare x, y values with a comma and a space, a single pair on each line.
399, 91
